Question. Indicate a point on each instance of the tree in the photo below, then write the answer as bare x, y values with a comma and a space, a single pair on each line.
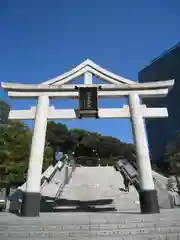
78, 134
172, 157
172, 153
4, 112
86, 150
48, 156
88, 147
14, 153
56, 133
105, 149
15, 145
59, 137
109, 146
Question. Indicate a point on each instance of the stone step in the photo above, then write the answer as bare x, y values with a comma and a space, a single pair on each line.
165, 225
71, 225
97, 226
88, 231
137, 237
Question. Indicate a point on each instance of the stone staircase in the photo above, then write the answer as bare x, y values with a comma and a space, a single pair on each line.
99, 188
94, 226
90, 205
70, 188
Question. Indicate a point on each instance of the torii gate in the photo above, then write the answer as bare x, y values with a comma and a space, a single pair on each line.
116, 87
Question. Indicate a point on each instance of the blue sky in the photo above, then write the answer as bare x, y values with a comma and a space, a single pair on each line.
42, 39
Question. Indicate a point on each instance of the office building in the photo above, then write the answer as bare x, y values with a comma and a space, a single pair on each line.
161, 131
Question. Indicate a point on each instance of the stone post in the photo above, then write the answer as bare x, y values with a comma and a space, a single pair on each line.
31, 196
148, 194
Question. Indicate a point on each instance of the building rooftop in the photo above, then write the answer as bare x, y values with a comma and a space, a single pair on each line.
165, 53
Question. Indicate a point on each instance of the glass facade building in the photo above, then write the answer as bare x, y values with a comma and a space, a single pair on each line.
161, 131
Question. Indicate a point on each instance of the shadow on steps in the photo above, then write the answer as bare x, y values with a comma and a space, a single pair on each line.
64, 205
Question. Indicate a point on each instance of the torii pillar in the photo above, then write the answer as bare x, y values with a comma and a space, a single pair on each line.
148, 194
31, 197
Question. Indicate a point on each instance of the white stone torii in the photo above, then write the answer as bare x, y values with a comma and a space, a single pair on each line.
116, 87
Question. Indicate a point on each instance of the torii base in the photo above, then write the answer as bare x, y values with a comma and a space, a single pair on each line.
149, 201
30, 204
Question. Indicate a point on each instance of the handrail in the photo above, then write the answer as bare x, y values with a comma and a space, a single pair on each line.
73, 166
57, 168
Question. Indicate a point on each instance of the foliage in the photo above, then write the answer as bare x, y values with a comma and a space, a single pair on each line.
14, 153
48, 156
78, 134
172, 158
58, 137
172, 154
4, 112
53, 131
